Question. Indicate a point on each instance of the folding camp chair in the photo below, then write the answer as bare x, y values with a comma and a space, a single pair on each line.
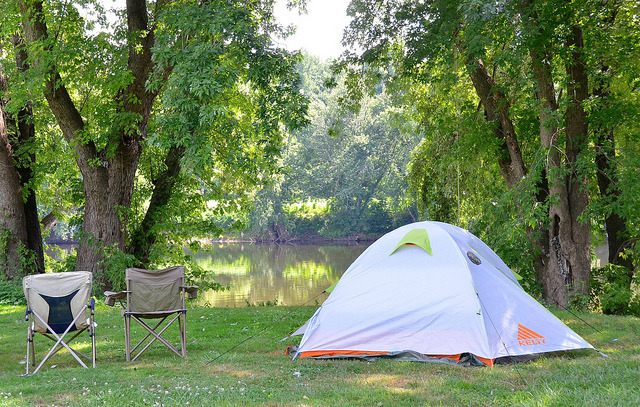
154, 294
57, 306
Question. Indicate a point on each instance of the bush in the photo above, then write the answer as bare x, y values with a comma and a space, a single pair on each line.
11, 293
612, 291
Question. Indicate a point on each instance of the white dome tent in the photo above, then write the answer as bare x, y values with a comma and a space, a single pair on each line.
432, 291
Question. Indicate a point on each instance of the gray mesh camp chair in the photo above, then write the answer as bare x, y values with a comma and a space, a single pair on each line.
154, 294
57, 305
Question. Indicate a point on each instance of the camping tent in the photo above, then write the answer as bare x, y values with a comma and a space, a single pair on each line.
432, 291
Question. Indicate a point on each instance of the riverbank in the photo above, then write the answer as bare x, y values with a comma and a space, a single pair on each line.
298, 240
235, 359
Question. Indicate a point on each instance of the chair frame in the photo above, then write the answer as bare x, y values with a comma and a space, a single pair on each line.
59, 339
124, 297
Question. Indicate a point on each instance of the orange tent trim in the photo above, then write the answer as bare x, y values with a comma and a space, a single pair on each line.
315, 353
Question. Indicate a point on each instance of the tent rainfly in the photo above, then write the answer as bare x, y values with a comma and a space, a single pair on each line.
431, 291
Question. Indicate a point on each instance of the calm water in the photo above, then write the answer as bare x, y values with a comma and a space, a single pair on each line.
286, 274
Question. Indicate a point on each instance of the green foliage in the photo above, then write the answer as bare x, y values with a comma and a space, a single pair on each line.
25, 262
220, 91
11, 292
612, 292
307, 217
230, 100
353, 159
111, 272
427, 51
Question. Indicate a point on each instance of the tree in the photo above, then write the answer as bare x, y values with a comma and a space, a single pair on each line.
13, 232
22, 248
354, 161
154, 88
549, 37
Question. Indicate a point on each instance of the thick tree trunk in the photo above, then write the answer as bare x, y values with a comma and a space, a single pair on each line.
13, 232
576, 244
108, 174
19, 223
569, 238
26, 136
552, 279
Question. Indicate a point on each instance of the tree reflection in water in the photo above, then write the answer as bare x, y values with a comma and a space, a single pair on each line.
286, 274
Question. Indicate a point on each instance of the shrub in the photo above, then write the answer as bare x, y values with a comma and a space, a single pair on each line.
11, 293
612, 291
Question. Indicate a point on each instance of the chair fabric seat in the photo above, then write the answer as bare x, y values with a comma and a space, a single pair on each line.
60, 296
58, 304
155, 297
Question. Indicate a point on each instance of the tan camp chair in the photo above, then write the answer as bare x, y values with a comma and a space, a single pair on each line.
57, 305
154, 294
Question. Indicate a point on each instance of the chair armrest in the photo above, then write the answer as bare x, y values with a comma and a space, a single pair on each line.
111, 297
192, 291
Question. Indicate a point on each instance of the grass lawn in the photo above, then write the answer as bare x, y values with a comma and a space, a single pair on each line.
256, 372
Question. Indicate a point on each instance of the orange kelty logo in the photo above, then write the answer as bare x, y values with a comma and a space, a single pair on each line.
526, 337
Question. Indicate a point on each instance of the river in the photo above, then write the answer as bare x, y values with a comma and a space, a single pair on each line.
283, 274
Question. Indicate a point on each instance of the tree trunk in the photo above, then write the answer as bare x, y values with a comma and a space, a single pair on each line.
108, 174
552, 279
575, 233
26, 136
143, 238
616, 225
510, 161
13, 231
569, 238
569, 265
607, 174
496, 107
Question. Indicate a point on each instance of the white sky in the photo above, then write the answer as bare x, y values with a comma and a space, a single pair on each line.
319, 32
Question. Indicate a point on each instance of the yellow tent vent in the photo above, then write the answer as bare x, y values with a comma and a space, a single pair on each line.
415, 237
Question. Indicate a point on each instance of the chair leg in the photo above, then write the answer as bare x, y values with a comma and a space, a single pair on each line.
141, 342
155, 336
127, 336
30, 348
92, 332
182, 322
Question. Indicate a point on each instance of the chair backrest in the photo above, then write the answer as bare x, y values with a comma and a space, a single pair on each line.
58, 298
154, 291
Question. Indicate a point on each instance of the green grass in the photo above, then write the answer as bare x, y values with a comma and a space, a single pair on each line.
257, 372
